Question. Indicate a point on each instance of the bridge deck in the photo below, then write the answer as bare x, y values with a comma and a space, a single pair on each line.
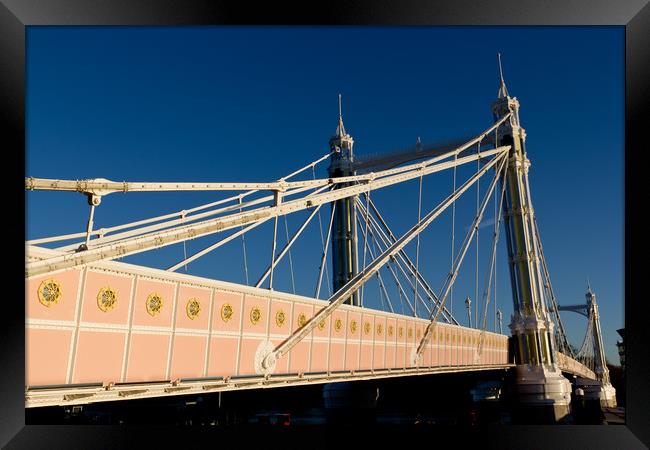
207, 333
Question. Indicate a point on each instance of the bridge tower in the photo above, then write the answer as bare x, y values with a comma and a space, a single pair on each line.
607, 394
344, 236
603, 392
540, 387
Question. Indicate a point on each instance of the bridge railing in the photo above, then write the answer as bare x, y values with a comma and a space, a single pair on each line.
112, 323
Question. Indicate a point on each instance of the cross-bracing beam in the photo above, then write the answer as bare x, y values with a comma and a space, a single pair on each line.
374, 228
182, 233
99, 188
387, 237
451, 278
268, 361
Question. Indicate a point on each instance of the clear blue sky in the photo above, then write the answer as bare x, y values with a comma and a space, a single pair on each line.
255, 103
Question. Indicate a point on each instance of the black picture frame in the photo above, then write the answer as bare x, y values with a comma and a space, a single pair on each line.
634, 15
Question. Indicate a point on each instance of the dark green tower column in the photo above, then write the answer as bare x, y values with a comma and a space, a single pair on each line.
344, 235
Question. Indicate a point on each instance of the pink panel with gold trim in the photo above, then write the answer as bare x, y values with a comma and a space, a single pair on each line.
280, 317
64, 309
339, 329
354, 320
227, 311
147, 359
446, 358
318, 356
322, 328
251, 305
46, 356
185, 293
299, 357
391, 331
222, 361
306, 310
99, 357
145, 287
95, 281
367, 328
401, 332
188, 356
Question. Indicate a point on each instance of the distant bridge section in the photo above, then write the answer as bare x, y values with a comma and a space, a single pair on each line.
570, 365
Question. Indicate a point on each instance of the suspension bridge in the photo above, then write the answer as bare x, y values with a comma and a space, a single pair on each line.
98, 329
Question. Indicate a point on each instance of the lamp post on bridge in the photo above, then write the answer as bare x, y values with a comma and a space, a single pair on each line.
468, 305
499, 317
541, 389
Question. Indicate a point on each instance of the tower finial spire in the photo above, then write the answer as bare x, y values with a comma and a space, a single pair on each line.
340, 131
503, 91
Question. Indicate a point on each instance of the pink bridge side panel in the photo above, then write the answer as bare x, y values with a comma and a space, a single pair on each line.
222, 360
147, 357
390, 356
337, 353
95, 281
280, 317
99, 357
366, 357
222, 300
185, 294
188, 357
340, 318
400, 356
251, 304
299, 357
352, 356
46, 356
379, 355
64, 309
145, 287
247, 352
319, 357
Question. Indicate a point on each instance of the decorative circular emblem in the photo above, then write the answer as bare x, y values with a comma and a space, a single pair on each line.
256, 315
410, 333
302, 320
353, 326
226, 312
321, 325
154, 304
380, 329
338, 324
106, 299
401, 332
193, 308
390, 330
366, 328
49, 292
279, 318
435, 337
419, 333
